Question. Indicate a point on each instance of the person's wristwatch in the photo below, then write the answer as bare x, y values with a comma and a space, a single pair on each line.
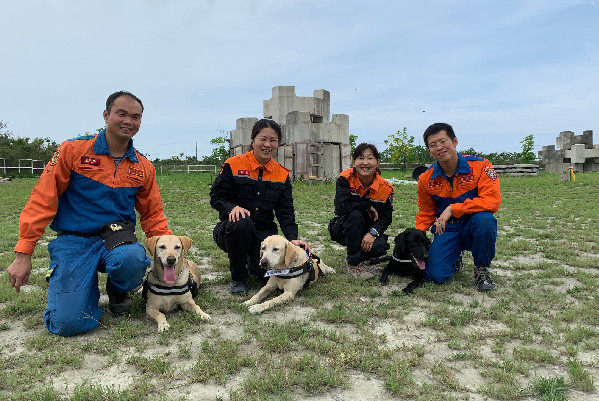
374, 232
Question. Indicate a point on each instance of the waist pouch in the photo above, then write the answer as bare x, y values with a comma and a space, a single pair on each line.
118, 233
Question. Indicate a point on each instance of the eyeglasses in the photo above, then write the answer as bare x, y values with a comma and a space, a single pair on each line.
442, 142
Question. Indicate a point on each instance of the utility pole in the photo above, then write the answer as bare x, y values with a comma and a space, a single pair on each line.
196, 150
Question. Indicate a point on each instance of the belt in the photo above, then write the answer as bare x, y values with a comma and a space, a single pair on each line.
77, 234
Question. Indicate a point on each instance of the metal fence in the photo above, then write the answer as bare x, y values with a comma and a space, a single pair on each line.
187, 168
32, 166
22, 166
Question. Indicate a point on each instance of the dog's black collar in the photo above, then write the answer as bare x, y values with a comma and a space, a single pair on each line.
307, 267
168, 290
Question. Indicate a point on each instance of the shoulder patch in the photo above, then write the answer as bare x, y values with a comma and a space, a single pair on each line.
55, 157
491, 172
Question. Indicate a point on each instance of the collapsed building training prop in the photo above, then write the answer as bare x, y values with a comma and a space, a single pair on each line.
576, 151
314, 144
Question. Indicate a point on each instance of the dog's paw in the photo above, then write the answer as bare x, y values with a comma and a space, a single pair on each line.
384, 280
332, 270
163, 326
258, 308
249, 302
204, 316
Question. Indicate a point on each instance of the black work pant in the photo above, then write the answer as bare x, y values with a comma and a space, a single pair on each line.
349, 229
241, 241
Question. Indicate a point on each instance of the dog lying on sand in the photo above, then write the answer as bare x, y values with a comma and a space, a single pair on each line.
289, 268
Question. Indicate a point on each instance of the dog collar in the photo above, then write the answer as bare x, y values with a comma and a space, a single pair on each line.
307, 267
401, 260
168, 290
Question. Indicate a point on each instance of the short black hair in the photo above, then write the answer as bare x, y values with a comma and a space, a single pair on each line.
115, 95
266, 123
435, 129
362, 147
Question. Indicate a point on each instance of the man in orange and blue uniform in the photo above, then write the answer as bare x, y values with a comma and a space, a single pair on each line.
91, 182
457, 197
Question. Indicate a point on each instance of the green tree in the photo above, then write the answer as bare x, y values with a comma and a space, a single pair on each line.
399, 146
528, 144
12, 147
352, 142
220, 153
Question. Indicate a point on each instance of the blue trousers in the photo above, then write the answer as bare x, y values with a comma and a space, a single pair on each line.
73, 292
477, 235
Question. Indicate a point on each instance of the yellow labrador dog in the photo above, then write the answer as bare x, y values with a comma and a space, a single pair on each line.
288, 269
168, 279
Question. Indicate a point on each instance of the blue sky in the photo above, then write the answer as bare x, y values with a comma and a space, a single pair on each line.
496, 70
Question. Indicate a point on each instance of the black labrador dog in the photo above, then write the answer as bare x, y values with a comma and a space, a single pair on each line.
409, 256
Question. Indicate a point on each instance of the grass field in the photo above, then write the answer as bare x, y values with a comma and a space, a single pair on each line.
534, 338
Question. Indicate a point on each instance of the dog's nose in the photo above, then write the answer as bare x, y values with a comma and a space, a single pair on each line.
171, 260
263, 263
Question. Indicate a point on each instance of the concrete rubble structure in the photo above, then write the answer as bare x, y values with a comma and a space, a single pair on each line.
577, 151
314, 144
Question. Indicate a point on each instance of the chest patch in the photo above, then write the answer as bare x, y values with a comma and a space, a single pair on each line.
136, 172
435, 183
466, 178
243, 172
90, 160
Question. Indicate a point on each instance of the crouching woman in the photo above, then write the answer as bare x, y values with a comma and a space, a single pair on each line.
363, 211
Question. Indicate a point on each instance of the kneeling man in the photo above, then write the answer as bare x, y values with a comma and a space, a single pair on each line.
457, 197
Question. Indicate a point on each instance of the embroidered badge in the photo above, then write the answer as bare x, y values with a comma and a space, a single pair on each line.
467, 178
354, 190
90, 160
55, 158
491, 173
136, 171
243, 172
435, 183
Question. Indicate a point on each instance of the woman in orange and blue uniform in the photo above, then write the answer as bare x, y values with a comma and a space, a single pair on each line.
363, 211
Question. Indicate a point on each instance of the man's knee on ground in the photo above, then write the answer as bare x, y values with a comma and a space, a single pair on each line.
437, 276
63, 323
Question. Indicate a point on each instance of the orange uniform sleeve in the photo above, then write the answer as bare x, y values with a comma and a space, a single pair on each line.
41, 207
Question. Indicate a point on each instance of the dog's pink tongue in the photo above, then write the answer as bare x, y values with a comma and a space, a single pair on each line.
420, 263
169, 274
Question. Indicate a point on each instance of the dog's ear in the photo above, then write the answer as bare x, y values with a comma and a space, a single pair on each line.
186, 242
291, 252
151, 244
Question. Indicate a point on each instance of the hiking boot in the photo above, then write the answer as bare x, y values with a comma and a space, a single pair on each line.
239, 288
359, 272
118, 302
482, 278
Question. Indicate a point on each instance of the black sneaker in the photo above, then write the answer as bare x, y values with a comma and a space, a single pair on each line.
239, 288
118, 302
482, 278
459, 265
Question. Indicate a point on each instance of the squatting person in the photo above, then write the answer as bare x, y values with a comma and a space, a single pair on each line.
457, 197
88, 194
363, 211
249, 191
